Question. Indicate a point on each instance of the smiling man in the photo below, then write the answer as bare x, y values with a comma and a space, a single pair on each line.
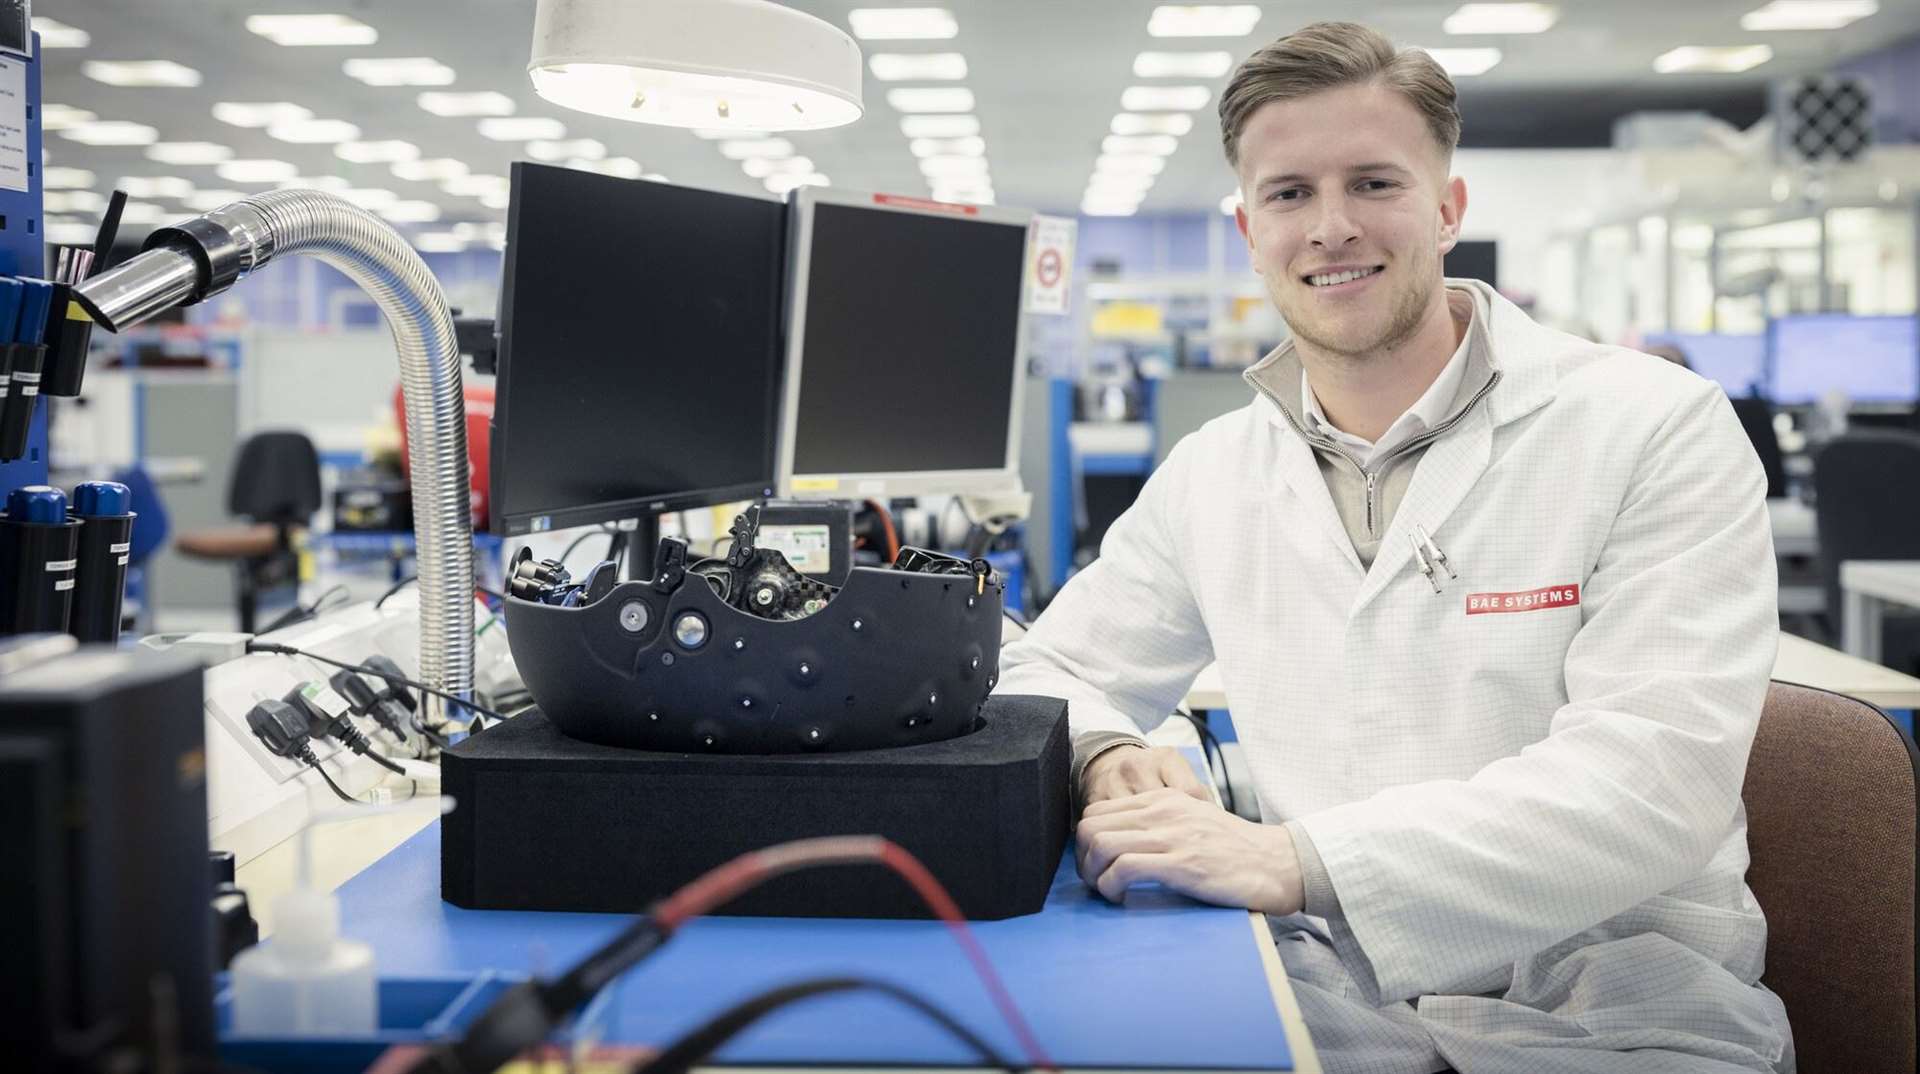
1494, 609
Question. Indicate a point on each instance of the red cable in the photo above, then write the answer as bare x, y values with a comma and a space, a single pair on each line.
722, 884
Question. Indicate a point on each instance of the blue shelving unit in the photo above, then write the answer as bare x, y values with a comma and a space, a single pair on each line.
23, 253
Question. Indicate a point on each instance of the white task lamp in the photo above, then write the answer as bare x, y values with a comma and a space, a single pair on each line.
746, 65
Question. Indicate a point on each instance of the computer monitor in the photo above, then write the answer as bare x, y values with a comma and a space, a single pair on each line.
639, 349
1737, 363
905, 346
1872, 360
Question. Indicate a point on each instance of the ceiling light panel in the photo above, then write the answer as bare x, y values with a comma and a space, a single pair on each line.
255, 171
1155, 144
761, 167
400, 71
56, 117
67, 178
189, 152
956, 126
1164, 98
486, 103
742, 148
438, 242
111, 132
954, 167
1501, 19
522, 128
1807, 14
56, 34
1182, 64
312, 30
781, 184
473, 186
389, 152
619, 167
931, 99
948, 147
1130, 164
1465, 62
1203, 20
73, 201
917, 67
438, 169
263, 114
156, 186
411, 212
580, 148
1711, 59
332, 184
497, 199
141, 73
1173, 123
209, 200
315, 131
902, 23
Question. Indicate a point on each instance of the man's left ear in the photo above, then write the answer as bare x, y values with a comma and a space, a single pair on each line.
1453, 207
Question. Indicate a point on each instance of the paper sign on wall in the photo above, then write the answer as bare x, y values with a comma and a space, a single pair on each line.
13, 125
1050, 264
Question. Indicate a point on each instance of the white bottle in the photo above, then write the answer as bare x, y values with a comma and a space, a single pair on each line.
305, 980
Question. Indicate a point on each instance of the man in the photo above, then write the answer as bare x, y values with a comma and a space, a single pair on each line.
1494, 608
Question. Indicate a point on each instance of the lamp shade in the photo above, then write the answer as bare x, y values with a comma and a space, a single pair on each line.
748, 65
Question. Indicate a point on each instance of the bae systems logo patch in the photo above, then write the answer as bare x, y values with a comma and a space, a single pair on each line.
1533, 600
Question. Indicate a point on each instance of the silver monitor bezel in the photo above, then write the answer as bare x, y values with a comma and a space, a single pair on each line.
887, 483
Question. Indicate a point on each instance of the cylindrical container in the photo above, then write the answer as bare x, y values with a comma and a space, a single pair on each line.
106, 537
29, 356
69, 333
38, 545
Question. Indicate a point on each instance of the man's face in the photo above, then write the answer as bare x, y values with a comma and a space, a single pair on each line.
1347, 212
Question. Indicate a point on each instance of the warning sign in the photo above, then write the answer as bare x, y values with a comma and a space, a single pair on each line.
1049, 264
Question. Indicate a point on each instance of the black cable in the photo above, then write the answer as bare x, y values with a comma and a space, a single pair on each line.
395, 588
1207, 738
697, 1046
258, 646
344, 796
299, 614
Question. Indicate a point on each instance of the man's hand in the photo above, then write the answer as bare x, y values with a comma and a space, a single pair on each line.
1190, 846
1129, 770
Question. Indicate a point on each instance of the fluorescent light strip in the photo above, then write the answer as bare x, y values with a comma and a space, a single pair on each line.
56, 34
1501, 19
1134, 123
389, 152
1465, 62
242, 114
400, 71
902, 23
141, 73
156, 186
618, 167
473, 186
1182, 64
438, 169
948, 147
188, 153
910, 67
67, 178
311, 30
315, 131
1807, 14
522, 129
954, 126
1130, 164
931, 99
1165, 98
485, 103
208, 200
578, 148
762, 167
73, 201
55, 117
1203, 20
110, 132
256, 171
743, 148
1709, 59
1159, 145
411, 212
974, 168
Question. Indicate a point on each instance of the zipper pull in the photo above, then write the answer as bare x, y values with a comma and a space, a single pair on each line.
1420, 561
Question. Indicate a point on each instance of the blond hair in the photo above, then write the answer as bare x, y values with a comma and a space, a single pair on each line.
1327, 55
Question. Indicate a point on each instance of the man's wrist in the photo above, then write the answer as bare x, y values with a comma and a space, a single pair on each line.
1287, 890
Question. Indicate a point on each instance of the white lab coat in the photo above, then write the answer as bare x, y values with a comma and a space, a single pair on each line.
1523, 811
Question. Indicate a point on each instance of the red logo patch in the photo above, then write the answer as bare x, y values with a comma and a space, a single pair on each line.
1533, 600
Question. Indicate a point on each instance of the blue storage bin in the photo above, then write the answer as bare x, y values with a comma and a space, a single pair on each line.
413, 1010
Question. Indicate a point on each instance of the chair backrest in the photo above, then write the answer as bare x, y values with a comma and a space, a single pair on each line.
1866, 488
276, 479
1756, 417
1830, 796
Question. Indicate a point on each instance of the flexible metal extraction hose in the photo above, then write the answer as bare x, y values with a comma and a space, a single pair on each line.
201, 257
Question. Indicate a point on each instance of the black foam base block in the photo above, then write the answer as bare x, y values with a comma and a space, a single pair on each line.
545, 822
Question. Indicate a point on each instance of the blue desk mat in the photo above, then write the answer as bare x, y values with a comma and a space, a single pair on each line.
1160, 982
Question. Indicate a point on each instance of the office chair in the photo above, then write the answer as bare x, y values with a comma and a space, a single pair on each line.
275, 485
1866, 507
1830, 796
1756, 417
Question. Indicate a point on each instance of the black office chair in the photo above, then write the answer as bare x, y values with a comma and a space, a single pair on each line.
1756, 417
1867, 506
276, 485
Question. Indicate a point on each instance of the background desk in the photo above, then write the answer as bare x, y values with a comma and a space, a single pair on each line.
1161, 982
1866, 587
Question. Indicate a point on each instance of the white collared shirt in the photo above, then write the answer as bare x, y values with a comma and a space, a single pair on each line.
1426, 412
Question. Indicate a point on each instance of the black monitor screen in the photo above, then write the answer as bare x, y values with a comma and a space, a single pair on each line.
1474, 260
639, 349
907, 362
